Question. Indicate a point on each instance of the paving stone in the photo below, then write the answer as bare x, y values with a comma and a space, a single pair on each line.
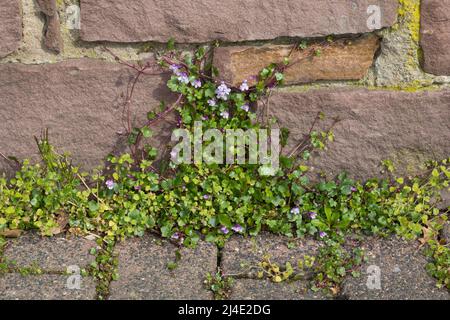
445, 199
374, 125
446, 232
80, 102
249, 289
435, 36
10, 27
143, 272
402, 269
340, 60
50, 254
43, 287
206, 20
239, 253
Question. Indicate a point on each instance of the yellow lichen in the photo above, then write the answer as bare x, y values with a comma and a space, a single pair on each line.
409, 12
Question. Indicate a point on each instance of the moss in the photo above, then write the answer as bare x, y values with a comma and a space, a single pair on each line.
145, 47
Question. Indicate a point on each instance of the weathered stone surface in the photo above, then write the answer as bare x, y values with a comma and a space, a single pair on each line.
375, 125
340, 60
445, 199
144, 275
249, 289
50, 254
10, 27
81, 102
53, 39
445, 233
240, 254
435, 36
43, 287
403, 274
237, 20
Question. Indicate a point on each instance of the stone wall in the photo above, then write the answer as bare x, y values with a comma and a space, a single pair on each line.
384, 70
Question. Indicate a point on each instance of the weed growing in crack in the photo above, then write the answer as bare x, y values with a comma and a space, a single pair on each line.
211, 202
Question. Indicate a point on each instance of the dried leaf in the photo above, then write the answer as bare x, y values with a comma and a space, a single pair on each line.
11, 233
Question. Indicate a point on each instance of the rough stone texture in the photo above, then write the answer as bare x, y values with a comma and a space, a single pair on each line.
435, 36
81, 102
53, 39
239, 253
375, 125
340, 60
237, 20
10, 27
403, 274
43, 287
445, 199
249, 289
143, 272
50, 254
445, 233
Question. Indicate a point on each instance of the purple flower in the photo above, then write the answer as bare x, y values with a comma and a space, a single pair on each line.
244, 86
295, 210
223, 92
212, 102
224, 230
353, 189
204, 118
225, 114
196, 83
312, 215
175, 68
183, 78
177, 236
245, 107
322, 234
206, 197
237, 228
110, 184
137, 188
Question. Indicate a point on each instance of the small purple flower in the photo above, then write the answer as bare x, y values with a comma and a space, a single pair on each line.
223, 92
312, 215
245, 107
196, 83
224, 230
212, 102
353, 189
137, 188
204, 118
237, 228
177, 236
322, 234
110, 184
225, 114
295, 210
175, 68
183, 78
206, 196
244, 86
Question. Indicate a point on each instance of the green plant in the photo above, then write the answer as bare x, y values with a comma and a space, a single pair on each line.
186, 203
219, 285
